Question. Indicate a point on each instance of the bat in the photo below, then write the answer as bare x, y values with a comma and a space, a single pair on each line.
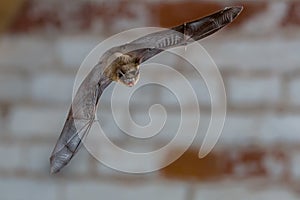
121, 64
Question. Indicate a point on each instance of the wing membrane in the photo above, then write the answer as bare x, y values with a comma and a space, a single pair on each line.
184, 34
82, 112
80, 119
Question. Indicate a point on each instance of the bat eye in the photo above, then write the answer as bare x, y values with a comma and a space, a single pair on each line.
133, 73
120, 74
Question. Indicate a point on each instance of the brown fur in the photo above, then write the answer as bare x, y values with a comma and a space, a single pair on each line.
123, 63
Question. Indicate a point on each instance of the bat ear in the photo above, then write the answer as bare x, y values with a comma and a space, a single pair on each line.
138, 61
114, 57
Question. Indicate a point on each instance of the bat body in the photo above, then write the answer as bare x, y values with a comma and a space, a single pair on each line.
121, 64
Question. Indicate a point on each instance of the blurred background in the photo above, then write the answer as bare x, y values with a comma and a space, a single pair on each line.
258, 155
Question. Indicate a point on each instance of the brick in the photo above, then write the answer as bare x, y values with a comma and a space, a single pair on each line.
251, 190
275, 167
37, 158
126, 161
236, 161
294, 95
26, 52
162, 132
239, 129
292, 16
37, 15
18, 189
52, 87
94, 190
27, 122
267, 21
283, 128
107, 171
295, 160
2, 123
190, 166
78, 16
10, 155
135, 15
168, 12
202, 92
72, 50
249, 162
197, 85
177, 88
254, 54
163, 129
108, 123
244, 91
13, 87
8, 11
140, 116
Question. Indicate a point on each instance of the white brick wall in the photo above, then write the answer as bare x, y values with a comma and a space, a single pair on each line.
21, 188
275, 167
284, 128
295, 161
239, 129
71, 50
35, 158
123, 190
52, 87
252, 190
13, 87
259, 61
245, 91
255, 54
26, 52
294, 94
10, 156
28, 122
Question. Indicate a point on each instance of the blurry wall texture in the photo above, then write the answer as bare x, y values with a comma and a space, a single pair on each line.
258, 155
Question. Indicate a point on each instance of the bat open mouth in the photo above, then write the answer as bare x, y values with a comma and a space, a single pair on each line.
130, 84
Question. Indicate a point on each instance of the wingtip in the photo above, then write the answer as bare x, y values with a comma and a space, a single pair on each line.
235, 9
55, 165
52, 171
238, 9
232, 12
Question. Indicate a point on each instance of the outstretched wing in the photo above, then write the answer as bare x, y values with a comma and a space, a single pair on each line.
80, 118
82, 112
154, 43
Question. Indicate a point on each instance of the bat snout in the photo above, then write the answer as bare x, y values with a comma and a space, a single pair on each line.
131, 82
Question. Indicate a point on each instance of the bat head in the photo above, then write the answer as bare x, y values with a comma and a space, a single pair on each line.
128, 74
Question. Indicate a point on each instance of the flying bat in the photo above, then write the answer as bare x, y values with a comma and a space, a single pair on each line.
121, 64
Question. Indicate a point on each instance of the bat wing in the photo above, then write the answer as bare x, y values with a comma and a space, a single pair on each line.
80, 118
184, 34
82, 112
